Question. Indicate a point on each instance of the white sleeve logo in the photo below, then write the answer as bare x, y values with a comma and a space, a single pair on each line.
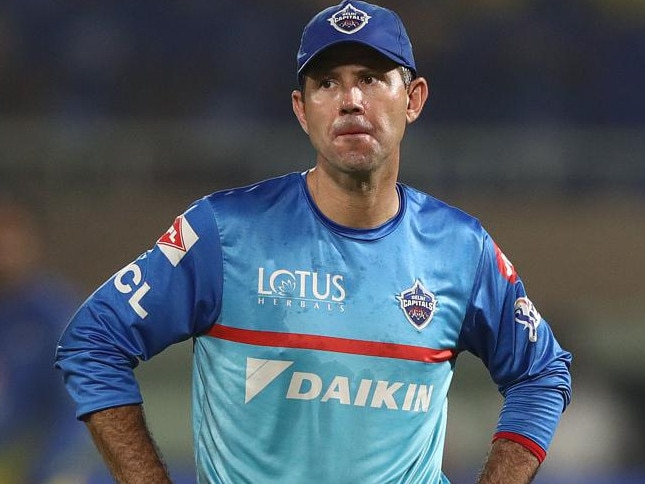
527, 316
128, 280
178, 240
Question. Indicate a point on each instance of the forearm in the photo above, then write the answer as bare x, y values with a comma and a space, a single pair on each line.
123, 439
508, 463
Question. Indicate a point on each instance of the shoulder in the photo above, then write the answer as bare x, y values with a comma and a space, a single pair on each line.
243, 200
205, 218
266, 190
430, 210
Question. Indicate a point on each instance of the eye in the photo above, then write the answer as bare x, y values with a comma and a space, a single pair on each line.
325, 83
369, 79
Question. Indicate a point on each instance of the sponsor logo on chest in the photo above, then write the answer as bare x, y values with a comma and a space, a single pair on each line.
299, 288
338, 389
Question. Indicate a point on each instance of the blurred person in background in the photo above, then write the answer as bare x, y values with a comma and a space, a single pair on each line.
327, 307
39, 439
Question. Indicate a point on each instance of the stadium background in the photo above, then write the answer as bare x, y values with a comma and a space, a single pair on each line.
114, 116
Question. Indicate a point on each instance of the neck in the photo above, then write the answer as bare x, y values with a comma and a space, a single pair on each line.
354, 201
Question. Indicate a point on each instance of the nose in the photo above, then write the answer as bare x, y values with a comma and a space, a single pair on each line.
352, 101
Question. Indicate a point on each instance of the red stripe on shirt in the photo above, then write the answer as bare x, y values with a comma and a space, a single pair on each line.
329, 343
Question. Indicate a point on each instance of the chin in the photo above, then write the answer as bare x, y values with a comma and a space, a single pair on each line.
359, 166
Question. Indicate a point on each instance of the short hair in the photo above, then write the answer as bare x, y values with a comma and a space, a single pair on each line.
407, 75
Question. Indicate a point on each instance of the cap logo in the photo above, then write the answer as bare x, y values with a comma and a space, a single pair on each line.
349, 20
418, 305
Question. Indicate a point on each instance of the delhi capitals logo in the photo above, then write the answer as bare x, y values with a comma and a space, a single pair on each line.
418, 305
349, 20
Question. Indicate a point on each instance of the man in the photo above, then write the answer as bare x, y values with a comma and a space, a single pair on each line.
327, 307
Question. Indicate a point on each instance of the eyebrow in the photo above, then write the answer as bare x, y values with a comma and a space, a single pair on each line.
327, 67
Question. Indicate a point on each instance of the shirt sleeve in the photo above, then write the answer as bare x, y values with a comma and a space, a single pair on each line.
167, 295
505, 330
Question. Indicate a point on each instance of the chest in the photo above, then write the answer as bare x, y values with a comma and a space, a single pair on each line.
404, 288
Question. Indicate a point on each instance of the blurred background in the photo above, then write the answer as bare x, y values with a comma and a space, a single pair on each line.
114, 116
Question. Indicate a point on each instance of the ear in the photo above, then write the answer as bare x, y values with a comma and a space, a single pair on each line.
298, 105
417, 95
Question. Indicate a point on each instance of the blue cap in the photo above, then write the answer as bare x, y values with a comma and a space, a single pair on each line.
356, 21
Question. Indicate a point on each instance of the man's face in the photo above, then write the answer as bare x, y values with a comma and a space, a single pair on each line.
354, 109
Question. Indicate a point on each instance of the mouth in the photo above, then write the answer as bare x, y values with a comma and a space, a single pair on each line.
352, 130
352, 137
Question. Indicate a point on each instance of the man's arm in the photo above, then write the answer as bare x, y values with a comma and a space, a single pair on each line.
508, 463
165, 296
504, 329
123, 439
